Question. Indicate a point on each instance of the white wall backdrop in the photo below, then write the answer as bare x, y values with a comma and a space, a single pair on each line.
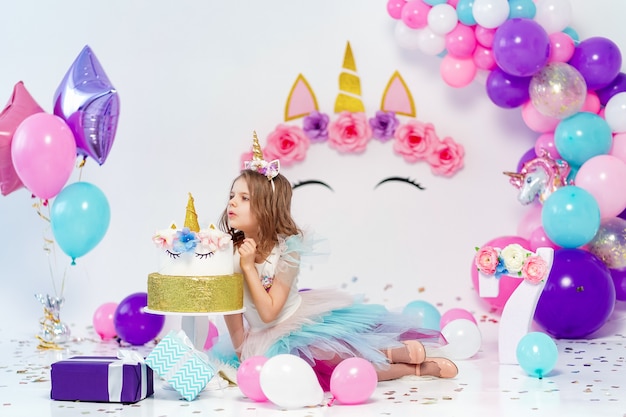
194, 79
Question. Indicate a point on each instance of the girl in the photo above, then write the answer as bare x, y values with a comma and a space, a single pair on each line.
322, 326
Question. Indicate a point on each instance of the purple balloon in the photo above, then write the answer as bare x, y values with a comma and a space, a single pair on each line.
521, 47
619, 280
506, 90
618, 85
598, 60
132, 324
90, 106
579, 295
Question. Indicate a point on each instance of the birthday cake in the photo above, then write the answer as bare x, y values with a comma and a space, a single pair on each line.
195, 270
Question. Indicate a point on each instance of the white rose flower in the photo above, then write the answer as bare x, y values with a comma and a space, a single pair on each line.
513, 257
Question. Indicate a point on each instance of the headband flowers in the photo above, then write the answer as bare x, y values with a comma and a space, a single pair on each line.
258, 164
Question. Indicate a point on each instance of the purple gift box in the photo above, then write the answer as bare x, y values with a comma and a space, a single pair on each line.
101, 379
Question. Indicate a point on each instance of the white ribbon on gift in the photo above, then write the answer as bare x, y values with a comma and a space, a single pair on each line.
116, 374
191, 351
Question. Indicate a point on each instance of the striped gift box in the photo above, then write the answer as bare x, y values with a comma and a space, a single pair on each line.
176, 360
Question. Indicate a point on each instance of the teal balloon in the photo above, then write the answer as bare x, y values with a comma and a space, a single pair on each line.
464, 12
426, 315
525, 9
79, 218
581, 137
570, 217
537, 354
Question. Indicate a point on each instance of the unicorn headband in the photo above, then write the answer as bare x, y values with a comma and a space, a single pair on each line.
258, 164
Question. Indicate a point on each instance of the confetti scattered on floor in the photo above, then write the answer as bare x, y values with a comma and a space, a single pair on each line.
590, 377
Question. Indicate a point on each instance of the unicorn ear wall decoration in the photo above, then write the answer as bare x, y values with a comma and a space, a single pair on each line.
351, 130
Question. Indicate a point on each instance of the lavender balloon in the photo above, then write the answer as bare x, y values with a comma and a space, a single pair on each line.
90, 106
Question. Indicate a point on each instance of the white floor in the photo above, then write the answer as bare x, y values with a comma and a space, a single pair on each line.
589, 379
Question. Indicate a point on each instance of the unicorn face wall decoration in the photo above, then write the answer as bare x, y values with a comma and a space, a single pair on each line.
384, 178
539, 177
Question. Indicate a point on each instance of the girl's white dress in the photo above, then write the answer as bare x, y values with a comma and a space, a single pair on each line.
322, 326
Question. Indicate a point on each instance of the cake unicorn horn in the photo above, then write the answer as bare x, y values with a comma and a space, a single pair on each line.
191, 217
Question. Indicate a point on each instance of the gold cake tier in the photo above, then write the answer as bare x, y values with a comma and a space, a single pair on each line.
184, 294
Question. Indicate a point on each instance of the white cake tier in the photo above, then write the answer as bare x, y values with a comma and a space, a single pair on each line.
198, 262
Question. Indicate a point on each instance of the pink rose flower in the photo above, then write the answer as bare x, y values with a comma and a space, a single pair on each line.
486, 260
288, 144
350, 132
415, 140
534, 269
446, 158
164, 239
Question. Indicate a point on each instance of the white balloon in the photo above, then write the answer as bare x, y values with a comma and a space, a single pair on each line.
289, 382
490, 13
442, 18
431, 43
615, 112
464, 339
406, 37
553, 15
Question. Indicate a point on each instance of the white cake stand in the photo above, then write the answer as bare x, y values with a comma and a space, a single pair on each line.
188, 321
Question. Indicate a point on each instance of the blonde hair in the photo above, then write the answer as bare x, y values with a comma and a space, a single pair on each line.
270, 205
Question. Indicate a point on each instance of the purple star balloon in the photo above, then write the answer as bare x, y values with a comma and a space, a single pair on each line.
90, 106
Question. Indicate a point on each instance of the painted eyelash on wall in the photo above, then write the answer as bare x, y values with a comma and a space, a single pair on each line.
350, 130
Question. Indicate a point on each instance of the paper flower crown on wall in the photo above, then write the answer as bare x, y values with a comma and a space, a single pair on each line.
351, 130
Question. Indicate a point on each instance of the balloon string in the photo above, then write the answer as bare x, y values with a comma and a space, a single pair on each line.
80, 166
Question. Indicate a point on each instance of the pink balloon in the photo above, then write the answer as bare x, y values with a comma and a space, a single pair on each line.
20, 106
103, 322
618, 149
457, 72
43, 153
539, 239
461, 41
415, 14
561, 47
536, 121
248, 378
506, 284
484, 36
592, 103
455, 314
353, 381
530, 221
394, 8
483, 58
212, 336
545, 142
604, 176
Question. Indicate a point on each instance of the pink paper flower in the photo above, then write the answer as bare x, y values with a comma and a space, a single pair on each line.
534, 269
446, 158
164, 239
350, 132
288, 144
415, 141
486, 260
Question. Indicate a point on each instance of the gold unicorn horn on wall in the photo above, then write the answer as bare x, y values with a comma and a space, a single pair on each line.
349, 97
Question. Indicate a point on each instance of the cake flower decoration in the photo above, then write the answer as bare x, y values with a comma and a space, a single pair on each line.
191, 237
512, 260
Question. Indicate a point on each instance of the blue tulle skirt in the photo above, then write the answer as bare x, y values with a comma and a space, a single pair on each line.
330, 326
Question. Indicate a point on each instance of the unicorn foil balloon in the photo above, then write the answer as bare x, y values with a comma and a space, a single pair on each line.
539, 177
